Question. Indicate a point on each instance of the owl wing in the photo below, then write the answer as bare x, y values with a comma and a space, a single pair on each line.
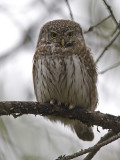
92, 71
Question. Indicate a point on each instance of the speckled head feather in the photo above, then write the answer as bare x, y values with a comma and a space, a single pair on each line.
61, 25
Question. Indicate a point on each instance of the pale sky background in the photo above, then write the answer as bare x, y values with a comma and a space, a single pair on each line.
16, 74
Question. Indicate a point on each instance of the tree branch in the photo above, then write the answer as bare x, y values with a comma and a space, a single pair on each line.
117, 27
104, 138
108, 45
70, 11
16, 109
111, 12
95, 147
110, 68
92, 27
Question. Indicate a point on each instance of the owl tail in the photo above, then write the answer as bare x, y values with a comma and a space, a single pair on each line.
83, 131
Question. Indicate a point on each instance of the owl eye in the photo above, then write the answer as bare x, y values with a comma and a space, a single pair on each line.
70, 34
53, 35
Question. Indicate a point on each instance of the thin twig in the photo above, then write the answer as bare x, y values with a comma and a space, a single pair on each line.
93, 152
116, 28
110, 68
111, 12
92, 27
108, 45
71, 15
90, 149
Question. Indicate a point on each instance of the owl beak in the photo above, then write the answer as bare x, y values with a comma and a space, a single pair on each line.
63, 42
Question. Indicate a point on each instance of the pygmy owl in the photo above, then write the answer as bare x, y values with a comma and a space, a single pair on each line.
64, 71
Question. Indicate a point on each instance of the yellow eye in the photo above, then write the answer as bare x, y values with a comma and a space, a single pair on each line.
53, 35
70, 34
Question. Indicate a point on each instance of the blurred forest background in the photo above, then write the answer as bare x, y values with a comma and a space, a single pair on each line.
35, 138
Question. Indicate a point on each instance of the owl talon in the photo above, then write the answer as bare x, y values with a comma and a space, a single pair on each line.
52, 101
59, 103
71, 106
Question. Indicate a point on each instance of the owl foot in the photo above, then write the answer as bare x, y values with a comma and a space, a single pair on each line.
52, 101
71, 106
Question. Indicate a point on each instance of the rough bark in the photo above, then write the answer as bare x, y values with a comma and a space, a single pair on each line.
17, 108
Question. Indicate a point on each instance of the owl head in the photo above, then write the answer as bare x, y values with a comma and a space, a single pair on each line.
61, 33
